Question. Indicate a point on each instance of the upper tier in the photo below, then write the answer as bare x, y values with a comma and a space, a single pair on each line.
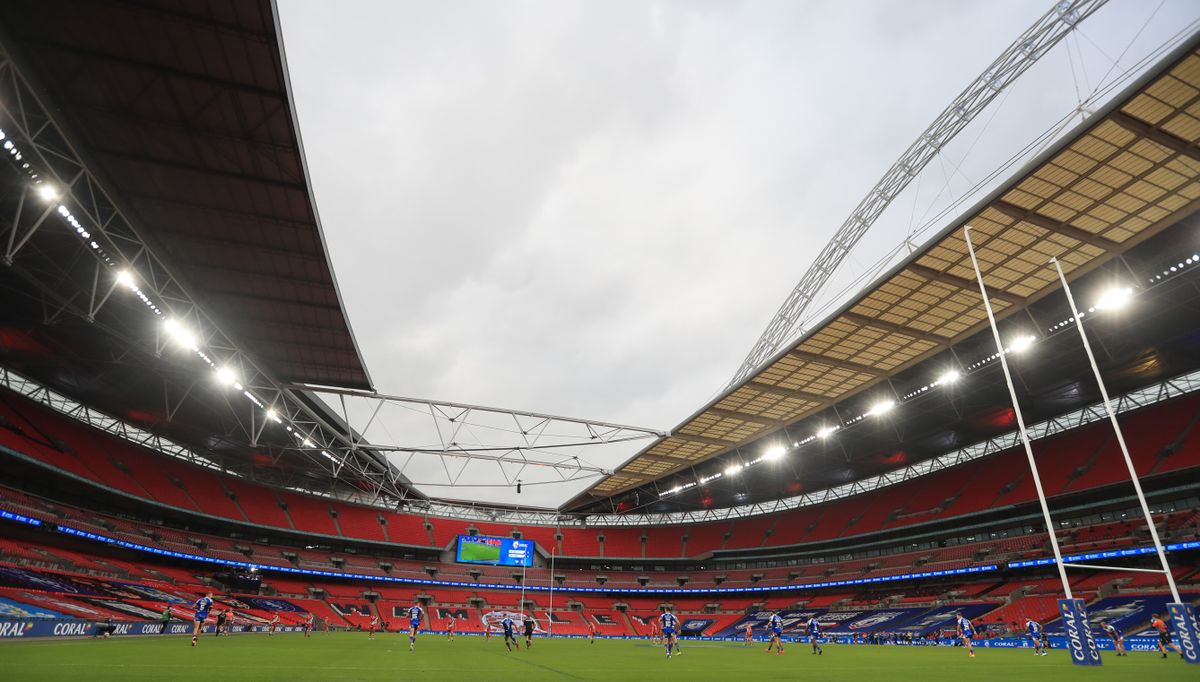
1160, 438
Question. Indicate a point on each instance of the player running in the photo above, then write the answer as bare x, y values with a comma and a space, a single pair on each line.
966, 630
414, 623
749, 634
308, 626
373, 626
203, 606
221, 616
814, 633
450, 629
527, 621
1115, 635
510, 639
274, 624
1164, 635
654, 632
1037, 635
775, 627
591, 632
669, 624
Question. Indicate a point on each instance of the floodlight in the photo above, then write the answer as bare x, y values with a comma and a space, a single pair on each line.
733, 470
272, 414
949, 377
226, 376
882, 407
774, 452
179, 333
1021, 343
1114, 298
126, 279
47, 192
825, 431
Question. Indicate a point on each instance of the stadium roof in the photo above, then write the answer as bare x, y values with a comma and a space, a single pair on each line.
171, 131
1131, 171
185, 109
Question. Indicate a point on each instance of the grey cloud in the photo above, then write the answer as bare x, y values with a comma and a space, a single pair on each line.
594, 208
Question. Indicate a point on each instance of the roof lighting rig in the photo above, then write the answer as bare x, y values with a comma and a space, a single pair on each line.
58, 188
1109, 300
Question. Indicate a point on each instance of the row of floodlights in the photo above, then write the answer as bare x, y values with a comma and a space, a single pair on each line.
175, 330
1111, 299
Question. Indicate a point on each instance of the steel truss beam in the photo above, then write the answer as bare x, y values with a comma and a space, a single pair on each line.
1030, 46
516, 437
116, 243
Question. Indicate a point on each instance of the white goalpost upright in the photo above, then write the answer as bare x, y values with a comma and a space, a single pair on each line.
1081, 643
550, 613
1012, 392
1182, 617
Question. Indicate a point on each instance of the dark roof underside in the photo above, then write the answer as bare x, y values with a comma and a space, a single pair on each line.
185, 108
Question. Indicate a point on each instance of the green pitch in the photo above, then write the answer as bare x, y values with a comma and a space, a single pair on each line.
350, 656
478, 551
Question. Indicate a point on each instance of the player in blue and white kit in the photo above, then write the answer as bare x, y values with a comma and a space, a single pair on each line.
203, 606
510, 638
966, 630
814, 632
775, 627
669, 625
1037, 635
414, 623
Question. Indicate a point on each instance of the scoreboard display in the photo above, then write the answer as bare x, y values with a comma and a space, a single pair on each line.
481, 549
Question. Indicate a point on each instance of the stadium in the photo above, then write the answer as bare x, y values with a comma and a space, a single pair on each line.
983, 460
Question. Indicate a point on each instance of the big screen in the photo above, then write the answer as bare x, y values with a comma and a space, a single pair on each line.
481, 549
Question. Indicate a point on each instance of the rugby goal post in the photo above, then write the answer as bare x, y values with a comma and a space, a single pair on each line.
1080, 640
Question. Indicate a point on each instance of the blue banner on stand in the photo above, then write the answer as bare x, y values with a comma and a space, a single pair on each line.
1183, 621
1080, 643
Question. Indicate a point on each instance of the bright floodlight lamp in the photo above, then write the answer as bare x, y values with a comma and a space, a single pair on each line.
949, 377
1021, 343
226, 376
1114, 298
733, 470
126, 279
47, 192
181, 335
774, 452
272, 414
882, 407
825, 432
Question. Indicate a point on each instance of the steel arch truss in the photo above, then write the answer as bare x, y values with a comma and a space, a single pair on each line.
1027, 49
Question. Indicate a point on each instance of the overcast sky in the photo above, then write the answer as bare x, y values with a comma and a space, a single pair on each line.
594, 208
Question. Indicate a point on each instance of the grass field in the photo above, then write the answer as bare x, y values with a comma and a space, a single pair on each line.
350, 656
